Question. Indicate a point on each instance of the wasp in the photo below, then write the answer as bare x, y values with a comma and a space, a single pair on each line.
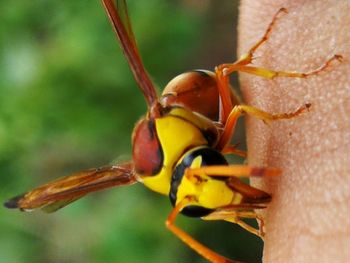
179, 146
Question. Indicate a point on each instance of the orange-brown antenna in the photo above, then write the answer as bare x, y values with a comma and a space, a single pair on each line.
121, 25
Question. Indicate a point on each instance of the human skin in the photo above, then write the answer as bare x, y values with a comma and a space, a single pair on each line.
308, 219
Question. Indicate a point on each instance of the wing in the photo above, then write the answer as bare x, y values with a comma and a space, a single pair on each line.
57, 194
119, 18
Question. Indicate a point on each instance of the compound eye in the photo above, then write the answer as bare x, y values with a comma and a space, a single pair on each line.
147, 151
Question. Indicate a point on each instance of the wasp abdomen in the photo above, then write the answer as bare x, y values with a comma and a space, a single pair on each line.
201, 156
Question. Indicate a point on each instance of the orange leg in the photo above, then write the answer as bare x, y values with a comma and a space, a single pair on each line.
270, 74
190, 241
231, 149
249, 56
222, 71
232, 171
238, 110
222, 75
235, 217
225, 95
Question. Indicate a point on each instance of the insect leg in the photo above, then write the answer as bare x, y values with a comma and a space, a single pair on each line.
224, 88
233, 171
231, 149
249, 56
187, 239
251, 195
225, 69
238, 110
270, 74
235, 217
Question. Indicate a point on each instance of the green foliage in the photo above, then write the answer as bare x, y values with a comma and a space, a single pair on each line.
69, 102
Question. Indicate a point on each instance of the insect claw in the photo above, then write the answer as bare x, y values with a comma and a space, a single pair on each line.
284, 10
266, 122
338, 57
307, 106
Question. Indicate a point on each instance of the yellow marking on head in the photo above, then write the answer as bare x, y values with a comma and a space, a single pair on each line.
176, 135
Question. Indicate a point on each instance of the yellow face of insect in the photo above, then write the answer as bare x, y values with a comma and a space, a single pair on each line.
176, 133
175, 136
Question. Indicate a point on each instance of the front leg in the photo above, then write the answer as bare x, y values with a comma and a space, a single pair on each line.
236, 217
238, 110
223, 70
187, 239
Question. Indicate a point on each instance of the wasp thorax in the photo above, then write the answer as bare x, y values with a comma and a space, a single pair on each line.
195, 90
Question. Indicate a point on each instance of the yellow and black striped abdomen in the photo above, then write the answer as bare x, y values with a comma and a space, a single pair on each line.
209, 192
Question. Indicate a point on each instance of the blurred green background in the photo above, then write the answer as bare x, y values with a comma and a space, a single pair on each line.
69, 102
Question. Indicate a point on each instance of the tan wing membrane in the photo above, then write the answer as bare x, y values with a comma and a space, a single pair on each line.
57, 194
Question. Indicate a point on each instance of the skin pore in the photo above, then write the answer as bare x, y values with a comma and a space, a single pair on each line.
308, 219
